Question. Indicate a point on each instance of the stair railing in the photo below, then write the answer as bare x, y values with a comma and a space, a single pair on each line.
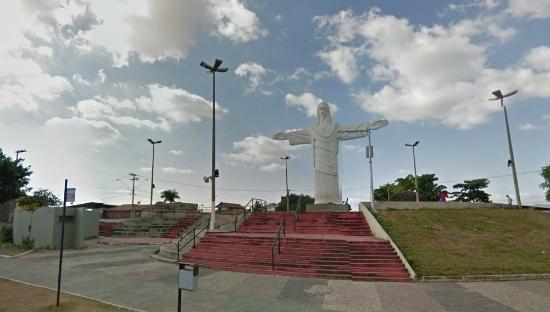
195, 232
281, 232
249, 206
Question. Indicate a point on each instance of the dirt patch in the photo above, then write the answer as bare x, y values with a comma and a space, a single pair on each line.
19, 297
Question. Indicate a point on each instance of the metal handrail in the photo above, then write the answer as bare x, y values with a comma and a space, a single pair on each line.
195, 234
281, 232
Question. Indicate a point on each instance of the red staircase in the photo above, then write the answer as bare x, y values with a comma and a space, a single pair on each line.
334, 245
175, 230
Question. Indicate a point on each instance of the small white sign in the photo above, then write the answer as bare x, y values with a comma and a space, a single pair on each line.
71, 192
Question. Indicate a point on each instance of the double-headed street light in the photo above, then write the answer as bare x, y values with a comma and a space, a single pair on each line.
415, 144
286, 158
17, 152
152, 169
499, 96
213, 70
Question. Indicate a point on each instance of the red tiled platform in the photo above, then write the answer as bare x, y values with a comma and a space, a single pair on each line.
334, 245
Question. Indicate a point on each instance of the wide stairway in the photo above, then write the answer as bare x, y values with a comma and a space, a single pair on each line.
176, 229
333, 245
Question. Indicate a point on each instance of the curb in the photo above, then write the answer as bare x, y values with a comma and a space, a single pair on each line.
483, 278
18, 255
74, 294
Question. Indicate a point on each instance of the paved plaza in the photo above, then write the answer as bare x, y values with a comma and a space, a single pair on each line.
128, 276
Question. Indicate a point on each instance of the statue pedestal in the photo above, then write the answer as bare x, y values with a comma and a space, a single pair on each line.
328, 207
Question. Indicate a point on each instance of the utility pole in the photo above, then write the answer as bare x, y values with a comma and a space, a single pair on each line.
133, 178
370, 152
498, 96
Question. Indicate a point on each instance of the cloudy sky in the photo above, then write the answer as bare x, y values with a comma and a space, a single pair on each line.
84, 84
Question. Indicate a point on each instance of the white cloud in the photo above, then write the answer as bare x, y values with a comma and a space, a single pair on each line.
532, 9
352, 148
299, 74
178, 105
434, 73
173, 170
546, 117
539, 58
99, 133
176, 152
254, 72
140, 123
92, 109
307, 103
235, 22
257, 150
342, 61
272, 167
527, 127
169, 28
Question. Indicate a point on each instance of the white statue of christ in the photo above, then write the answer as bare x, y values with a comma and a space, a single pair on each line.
325, 136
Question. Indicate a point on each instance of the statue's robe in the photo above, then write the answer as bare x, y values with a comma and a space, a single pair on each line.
325, 141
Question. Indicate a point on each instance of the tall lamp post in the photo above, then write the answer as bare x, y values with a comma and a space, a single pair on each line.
498, 96
213, 70
286, 158
153, 169
414, 163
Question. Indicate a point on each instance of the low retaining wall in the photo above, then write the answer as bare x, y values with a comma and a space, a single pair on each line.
401, 205
379, 232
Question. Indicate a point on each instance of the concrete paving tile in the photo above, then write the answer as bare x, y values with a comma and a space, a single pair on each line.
222, 281
454, 297
351, 296
509, 295
304, 291
261, 286
132, 269
251, 304
410, 298
541, 287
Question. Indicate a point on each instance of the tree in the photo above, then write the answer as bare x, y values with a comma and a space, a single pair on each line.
40, 198
14, 178
169, 195
546, 184
428, 189
472, 191
293, 202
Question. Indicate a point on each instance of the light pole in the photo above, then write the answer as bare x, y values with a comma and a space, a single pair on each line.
498, 96
17, 152
213, 70
370, 155
414, 163
286, 158
153, 170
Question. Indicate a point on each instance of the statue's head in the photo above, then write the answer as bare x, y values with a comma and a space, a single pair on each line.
323, 113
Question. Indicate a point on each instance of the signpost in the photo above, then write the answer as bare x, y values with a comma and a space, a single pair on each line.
188, 279
68, 195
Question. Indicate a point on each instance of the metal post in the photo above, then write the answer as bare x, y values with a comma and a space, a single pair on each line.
371, 176
287, 190
213, 177
514, 174
194, 235
152, 174
415, 177
61, 246
179, 299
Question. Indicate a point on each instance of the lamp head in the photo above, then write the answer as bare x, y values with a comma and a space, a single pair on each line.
498, 94
206, 179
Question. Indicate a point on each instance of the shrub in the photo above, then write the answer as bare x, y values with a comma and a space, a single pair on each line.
27, 243
6, 234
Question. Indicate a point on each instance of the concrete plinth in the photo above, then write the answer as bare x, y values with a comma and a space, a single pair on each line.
328, 207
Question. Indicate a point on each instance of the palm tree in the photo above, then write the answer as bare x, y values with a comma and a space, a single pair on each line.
169, 195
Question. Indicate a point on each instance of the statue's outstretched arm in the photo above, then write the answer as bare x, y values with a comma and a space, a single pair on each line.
359, 130
294, 137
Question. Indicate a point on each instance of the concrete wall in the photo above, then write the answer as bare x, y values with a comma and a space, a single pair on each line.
46, 226
398, 205
91, 223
